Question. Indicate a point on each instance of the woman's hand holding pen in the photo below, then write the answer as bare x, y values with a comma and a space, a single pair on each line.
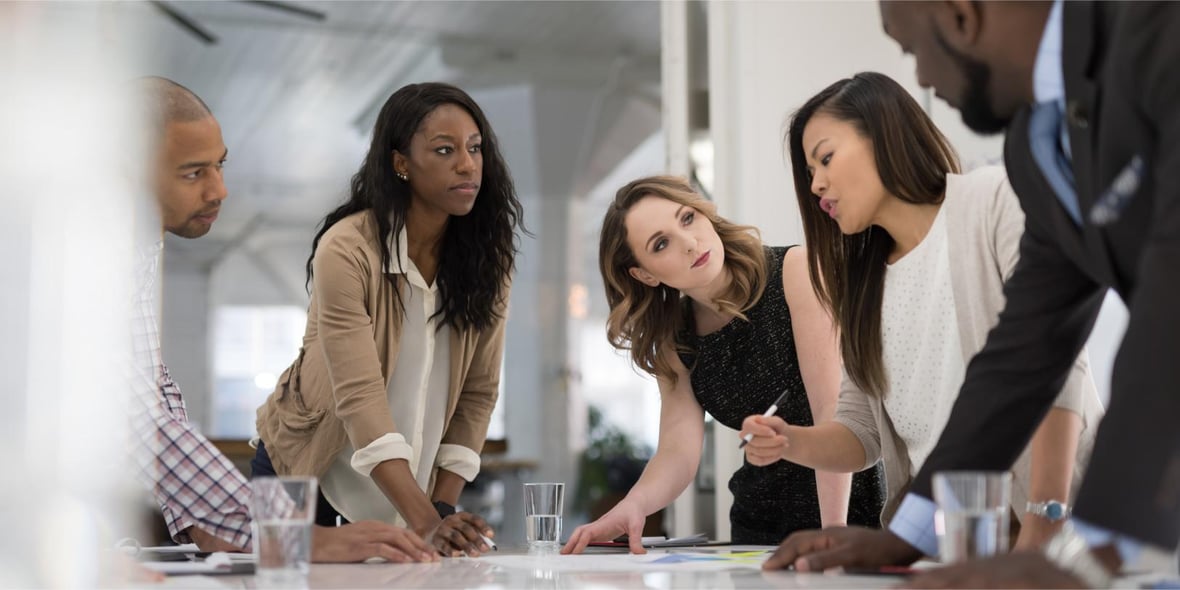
768, 439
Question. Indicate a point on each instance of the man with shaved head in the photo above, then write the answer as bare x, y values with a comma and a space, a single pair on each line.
1089, 96
190, 153
203, 498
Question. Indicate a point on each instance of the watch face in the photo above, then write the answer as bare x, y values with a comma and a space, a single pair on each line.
1054, 511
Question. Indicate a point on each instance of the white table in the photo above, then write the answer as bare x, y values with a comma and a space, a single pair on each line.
512, 569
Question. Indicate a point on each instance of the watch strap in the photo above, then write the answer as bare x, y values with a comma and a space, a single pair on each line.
1051, 510
444, 509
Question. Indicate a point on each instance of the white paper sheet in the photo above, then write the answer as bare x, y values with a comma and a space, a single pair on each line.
653, 561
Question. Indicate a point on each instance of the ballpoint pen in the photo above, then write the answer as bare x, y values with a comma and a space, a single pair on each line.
769, 412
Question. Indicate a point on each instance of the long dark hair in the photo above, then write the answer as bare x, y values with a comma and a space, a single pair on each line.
848, 272
478, 250
644, 319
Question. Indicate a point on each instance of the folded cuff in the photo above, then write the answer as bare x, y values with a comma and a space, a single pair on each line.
868, 439
459, 460
386, 447
178, 526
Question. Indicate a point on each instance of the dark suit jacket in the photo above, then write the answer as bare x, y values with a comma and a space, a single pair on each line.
1122, 86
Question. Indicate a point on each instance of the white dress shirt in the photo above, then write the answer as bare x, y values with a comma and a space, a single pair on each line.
418, 389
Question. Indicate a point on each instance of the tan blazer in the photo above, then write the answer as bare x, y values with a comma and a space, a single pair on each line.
984, 224
336, 390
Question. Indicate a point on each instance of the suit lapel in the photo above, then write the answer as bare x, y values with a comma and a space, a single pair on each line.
1030, 183
1081, 95
1082, 40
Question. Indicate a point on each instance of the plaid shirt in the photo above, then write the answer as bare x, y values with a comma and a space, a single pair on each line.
193, 482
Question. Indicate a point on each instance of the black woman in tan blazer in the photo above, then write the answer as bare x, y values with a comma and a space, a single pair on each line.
389, 400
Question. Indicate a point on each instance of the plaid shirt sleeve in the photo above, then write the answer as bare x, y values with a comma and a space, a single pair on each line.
193, 482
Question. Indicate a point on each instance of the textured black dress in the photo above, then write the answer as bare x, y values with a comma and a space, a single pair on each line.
740, 370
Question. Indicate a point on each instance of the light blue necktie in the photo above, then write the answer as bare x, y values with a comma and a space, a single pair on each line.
1045, 137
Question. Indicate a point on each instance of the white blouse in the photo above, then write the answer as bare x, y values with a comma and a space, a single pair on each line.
922, 354
417, 391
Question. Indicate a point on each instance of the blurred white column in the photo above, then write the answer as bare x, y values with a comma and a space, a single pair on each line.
65, 231
674, 55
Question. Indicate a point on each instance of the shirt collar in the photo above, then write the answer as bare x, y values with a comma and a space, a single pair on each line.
399, 252
147, 262
147, 254
1048, 77
149, 250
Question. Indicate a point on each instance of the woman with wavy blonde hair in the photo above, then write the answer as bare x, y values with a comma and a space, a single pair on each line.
726, 325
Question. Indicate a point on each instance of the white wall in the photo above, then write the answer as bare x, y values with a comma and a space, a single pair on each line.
766, 60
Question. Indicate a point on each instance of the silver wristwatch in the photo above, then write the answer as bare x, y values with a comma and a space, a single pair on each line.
1070, 552
1050, 510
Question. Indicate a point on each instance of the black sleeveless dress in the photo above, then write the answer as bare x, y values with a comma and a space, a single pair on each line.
740, 370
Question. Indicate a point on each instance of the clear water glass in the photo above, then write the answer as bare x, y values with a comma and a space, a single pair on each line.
973, 511
542, 512
283, 509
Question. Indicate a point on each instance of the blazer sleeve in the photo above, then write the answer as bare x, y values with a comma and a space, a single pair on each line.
1007, 228
854, 412
1010, 384
1133, 482
465, 433
341, 284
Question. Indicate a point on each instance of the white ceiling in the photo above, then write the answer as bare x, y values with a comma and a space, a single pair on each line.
297, 97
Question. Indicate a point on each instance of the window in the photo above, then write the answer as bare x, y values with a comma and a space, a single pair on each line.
252, 346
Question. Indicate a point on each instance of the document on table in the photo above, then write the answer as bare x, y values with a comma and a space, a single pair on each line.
215, 563
660, 542
659, 561
185, 548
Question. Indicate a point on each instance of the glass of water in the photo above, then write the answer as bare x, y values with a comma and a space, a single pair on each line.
283, 509
972, 516
542, 512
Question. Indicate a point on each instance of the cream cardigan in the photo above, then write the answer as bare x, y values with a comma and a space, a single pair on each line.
984, 227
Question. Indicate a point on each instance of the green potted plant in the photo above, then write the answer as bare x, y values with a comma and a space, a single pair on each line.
611, 463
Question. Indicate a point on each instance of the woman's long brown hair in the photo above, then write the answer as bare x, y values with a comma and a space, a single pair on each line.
848, 272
